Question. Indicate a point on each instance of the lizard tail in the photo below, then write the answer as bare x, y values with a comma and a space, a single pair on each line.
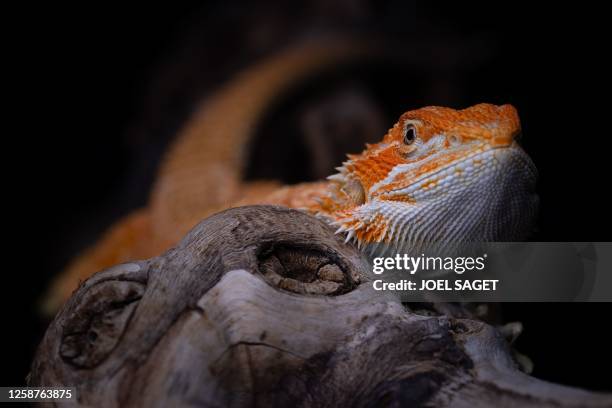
203, 169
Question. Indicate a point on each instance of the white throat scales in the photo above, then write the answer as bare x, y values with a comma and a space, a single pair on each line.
487, 196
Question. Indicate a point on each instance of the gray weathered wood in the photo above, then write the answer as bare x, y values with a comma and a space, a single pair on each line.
263, 306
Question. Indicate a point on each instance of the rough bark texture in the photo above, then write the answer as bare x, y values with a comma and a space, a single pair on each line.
265, 306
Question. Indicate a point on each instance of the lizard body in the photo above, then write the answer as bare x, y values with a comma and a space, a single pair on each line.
439, 174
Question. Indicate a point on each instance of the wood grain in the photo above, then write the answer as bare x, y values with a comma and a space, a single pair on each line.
265, 306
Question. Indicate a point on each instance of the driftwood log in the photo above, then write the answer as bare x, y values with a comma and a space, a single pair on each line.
265, 306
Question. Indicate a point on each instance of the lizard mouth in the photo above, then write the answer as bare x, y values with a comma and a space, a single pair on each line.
501, 154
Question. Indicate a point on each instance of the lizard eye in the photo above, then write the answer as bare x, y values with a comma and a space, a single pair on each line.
409, 134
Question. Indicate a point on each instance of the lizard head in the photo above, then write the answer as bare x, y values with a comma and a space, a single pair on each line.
438, 175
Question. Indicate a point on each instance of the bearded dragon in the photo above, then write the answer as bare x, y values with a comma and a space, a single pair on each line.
439, 174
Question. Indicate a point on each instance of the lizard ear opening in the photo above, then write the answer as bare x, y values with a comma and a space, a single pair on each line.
354, 190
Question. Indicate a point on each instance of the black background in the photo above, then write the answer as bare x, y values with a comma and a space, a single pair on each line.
101, 90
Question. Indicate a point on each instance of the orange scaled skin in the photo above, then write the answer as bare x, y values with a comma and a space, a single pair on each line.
141, 236
485, 124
